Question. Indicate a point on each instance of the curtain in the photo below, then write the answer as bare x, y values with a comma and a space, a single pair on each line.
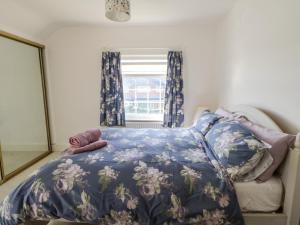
174, 99
112, 111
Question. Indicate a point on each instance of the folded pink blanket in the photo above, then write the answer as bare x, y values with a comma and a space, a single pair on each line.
90, 147
85, 138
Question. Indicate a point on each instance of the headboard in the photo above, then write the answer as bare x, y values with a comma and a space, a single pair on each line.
290, 169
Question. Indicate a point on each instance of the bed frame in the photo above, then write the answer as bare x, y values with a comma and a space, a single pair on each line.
289, 172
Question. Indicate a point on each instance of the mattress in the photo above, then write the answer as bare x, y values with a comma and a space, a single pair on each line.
260, 197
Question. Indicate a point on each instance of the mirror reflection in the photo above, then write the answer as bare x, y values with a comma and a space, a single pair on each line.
23, 122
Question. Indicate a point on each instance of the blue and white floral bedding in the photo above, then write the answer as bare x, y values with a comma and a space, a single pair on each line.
142, 177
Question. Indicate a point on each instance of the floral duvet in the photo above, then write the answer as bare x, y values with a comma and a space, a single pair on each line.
142, 177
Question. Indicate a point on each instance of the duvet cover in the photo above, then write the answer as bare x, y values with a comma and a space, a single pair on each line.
142, 177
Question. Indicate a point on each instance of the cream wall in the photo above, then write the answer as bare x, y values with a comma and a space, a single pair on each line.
74, 57
19, 19
259, 58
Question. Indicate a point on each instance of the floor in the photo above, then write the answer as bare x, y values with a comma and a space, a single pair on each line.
14, 159
15, 181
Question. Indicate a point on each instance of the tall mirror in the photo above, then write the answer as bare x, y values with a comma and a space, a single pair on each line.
24, 124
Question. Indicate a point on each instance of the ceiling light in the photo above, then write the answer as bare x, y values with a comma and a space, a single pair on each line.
117, 10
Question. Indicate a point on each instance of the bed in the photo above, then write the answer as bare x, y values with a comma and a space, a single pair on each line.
287, 182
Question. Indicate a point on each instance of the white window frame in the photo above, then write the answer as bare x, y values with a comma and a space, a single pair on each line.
151, 56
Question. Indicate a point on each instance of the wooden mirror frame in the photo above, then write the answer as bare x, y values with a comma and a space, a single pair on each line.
41, 48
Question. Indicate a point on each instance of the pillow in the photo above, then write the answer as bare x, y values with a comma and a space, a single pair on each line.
199, 110
235, 147
279, 141
224, 113
205, 121
259, 169
263, 164
227, 114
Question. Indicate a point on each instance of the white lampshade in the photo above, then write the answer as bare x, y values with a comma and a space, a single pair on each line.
117, 10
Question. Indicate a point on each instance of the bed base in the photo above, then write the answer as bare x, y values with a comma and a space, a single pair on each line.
265, 218
250, 219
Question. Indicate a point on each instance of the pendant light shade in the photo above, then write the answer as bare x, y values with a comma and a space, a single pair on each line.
117, 10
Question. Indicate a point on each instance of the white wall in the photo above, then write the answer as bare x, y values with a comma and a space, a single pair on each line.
259, 63
19, 19
74, 57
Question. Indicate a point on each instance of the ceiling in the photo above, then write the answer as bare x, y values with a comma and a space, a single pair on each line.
43, 16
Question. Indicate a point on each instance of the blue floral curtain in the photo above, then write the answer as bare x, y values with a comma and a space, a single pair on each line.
112, 111
174, 99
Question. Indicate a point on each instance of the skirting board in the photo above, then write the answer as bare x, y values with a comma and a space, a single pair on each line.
265, 218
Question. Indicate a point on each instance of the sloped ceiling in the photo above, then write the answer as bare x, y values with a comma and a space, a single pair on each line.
39, 18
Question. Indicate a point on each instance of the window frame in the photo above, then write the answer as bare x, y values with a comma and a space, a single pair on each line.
145, 57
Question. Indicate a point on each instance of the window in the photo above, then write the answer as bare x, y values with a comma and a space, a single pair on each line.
144, 81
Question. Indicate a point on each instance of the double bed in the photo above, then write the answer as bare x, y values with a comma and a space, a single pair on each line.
150, 176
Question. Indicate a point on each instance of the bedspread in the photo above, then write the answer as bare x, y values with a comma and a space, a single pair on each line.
142, 177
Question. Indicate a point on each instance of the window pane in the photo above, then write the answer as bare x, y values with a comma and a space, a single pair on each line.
144, 97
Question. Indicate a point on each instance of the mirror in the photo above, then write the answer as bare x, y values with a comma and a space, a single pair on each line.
24, 124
